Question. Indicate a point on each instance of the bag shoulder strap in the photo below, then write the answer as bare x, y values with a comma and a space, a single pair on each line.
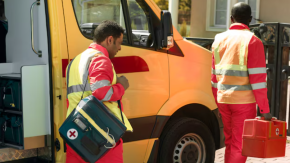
119, 102
120, 106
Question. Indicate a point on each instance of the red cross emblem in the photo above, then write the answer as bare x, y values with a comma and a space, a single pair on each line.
277, 131
72, 134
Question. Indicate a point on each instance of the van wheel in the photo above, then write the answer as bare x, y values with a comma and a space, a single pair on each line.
186, 140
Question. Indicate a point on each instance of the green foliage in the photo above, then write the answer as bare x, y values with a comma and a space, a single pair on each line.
183, 28
135, 9
133, 26
185, 5
162, 4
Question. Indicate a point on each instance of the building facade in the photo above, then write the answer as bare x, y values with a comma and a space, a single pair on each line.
206, 18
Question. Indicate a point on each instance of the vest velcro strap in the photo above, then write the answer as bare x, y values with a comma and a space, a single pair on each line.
231, 72
77, 88
226, 87
257, 70
259, 85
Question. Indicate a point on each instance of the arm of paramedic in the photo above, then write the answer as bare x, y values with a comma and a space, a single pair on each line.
257, 73
214, 80
101, 76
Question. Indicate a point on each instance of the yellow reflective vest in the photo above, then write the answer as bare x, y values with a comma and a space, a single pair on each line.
77, 74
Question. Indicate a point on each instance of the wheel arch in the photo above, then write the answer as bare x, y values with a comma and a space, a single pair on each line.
197, 111
203, 114
193, 104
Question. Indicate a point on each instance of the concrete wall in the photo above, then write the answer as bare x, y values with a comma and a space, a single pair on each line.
275, 11
198, 20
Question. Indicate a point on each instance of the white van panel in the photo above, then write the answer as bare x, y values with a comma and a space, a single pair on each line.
18, 39
36, 104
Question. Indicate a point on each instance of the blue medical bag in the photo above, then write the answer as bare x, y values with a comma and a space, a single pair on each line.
91, 129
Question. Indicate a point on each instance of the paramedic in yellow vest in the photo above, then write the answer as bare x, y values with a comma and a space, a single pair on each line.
239, 79
104, 84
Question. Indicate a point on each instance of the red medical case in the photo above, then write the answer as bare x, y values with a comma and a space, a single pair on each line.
264, 139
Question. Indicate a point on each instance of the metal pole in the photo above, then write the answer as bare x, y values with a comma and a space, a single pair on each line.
173, 8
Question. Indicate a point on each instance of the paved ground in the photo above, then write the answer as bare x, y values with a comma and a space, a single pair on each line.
219, 157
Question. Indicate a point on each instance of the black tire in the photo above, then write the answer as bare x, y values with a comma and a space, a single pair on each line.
185, 141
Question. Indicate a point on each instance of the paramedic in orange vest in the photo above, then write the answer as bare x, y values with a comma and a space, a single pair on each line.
239, 79
108, 38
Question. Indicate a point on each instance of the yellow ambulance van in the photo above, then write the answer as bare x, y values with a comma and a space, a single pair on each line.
169, 103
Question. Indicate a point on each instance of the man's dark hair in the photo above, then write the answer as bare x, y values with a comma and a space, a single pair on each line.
107, 28
242, 12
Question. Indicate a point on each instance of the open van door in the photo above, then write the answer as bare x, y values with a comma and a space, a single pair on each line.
25, 84
139, 60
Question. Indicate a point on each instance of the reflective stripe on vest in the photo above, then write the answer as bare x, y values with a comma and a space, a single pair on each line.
217, 55
78, 88
232, 67
259, 85
239, 87
213, 84
100, 84
225, 87
230, 72
262, 70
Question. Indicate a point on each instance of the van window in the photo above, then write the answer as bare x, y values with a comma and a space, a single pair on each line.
91, 13
140, 23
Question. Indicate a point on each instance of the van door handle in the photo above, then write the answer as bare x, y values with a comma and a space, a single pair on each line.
39, 52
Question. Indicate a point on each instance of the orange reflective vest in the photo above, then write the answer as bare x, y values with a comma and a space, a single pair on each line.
230, 50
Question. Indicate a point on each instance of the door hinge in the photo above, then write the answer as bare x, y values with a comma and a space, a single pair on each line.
59, 97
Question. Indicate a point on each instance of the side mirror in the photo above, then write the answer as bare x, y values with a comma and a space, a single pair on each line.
167, 40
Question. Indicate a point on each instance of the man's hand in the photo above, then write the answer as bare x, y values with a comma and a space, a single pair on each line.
267, 116
124, 81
